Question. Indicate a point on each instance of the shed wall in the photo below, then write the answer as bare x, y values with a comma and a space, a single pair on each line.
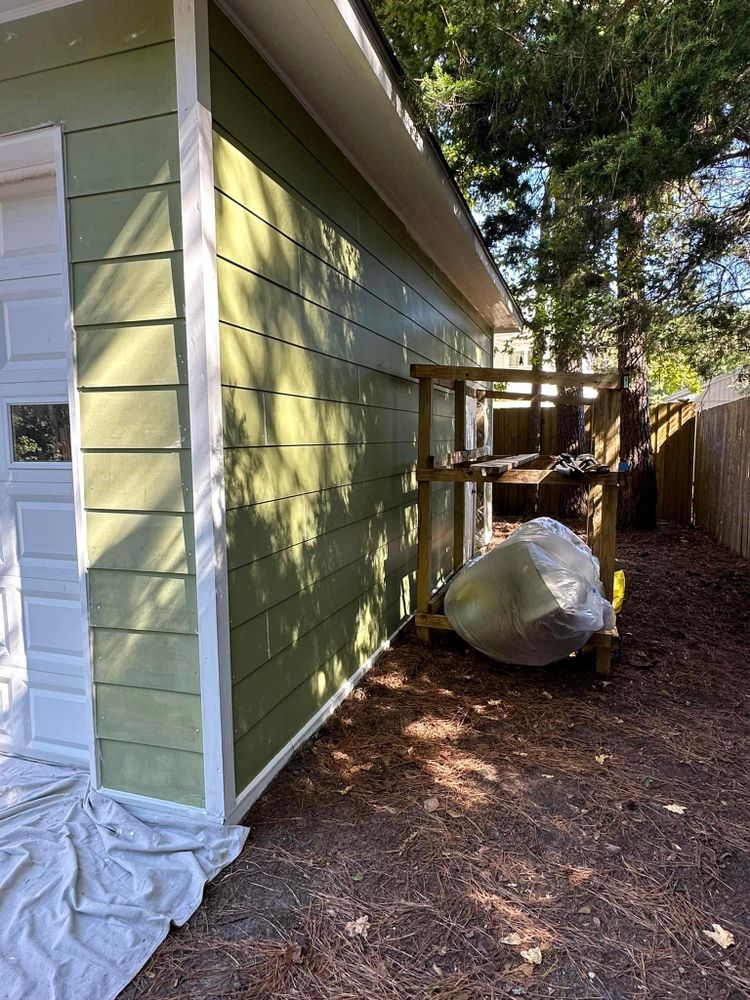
105, 70
324, 302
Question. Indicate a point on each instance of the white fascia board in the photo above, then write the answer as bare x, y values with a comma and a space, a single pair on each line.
324, 53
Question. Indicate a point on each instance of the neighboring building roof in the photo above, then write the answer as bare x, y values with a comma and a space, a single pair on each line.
336, 60
717, 390
724, 388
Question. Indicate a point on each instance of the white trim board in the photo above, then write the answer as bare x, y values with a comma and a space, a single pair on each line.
76, 452
263, 779
204, 393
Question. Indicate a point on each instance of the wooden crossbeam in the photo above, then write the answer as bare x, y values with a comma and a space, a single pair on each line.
537, 397
576, 380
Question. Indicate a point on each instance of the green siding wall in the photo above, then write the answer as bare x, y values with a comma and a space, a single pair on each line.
324, 303
105, 69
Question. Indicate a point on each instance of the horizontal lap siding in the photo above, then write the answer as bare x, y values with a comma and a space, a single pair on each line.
105, 70
324, 303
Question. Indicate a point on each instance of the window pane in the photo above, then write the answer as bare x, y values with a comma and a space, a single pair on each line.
41, 432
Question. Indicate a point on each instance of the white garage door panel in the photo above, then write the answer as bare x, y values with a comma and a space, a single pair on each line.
58, 724
30, 323
44, 706
52, 627
47, 536
28, 218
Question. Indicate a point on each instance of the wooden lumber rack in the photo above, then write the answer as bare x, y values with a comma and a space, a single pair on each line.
465, 465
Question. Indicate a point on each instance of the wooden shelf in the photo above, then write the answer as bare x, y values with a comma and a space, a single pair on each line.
464, 465
510, 469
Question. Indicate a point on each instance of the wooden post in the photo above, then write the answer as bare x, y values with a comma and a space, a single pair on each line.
459, 489
424, 503
602, 528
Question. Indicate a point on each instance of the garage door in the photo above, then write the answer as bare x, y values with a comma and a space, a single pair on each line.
43, 701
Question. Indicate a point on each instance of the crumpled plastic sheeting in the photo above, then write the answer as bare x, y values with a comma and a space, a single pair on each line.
87, 890
533, 599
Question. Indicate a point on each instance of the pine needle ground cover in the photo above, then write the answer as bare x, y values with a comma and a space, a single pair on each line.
465, 830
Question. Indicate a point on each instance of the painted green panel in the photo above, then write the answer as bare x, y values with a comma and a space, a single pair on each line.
143, 715
110, 356
157, 543
253, 418
81, 31
379, 580
247, 301
251, 361
159, 660
306, 162
135, 419
269, 736
158, 772
129, 155
125, 223
263, 583
244, 419
331, 509
254, 532
117, 88
248, 647
246, 240
143, 601
148, 481
257, 474
252, 185
128, 291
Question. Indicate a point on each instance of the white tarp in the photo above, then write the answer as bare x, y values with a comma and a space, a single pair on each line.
87, 890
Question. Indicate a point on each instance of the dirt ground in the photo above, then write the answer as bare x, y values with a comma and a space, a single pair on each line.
453, 803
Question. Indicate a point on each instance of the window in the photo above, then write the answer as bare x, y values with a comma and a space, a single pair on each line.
41, 432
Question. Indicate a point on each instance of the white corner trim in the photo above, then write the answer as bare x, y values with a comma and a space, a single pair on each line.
76, 451
204, 392
14, 10
261, 781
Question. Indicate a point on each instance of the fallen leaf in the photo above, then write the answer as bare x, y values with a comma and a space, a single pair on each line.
720, 936
673, 808
547, 695
455, 814
358, 927
532, 955
430, 805
357, 877
526, 969
294, 953
511, 939
437, 970
345, 791
585, 909
601, 757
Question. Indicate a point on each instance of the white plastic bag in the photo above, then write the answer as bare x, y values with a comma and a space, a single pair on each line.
533, 599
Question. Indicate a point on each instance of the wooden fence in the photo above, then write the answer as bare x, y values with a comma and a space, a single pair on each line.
673, 441
672, 437
722, 474
702, 465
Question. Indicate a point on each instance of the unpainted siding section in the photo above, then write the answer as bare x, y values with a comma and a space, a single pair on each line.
324, 303
105, 69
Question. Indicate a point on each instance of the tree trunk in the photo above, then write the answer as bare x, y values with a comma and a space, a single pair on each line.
570, 438
637, 499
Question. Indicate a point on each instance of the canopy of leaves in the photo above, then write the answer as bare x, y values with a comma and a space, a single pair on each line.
554, 113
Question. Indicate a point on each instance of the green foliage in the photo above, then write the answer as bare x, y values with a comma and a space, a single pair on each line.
555, 114
670, 373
